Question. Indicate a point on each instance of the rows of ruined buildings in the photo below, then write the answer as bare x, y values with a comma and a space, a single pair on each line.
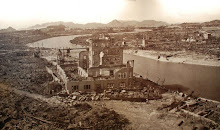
176, 34
99, 67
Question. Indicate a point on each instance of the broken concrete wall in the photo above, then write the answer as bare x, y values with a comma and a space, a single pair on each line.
61, 73
96, 85
85, 85
124, 75
82, 72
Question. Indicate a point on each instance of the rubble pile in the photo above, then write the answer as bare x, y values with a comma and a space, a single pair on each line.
21, 112
124, 95
137, 96
206, 109
23, 71
197, 110
22, 36
77, 97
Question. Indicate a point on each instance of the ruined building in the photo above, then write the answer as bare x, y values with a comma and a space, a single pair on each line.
101, 67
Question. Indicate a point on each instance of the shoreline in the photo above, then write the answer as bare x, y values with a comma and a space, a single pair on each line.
179, 57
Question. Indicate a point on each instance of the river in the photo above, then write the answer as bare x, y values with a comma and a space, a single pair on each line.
64, 41
203, 80
57, 42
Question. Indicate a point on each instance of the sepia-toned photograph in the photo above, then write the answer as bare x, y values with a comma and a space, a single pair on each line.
110, 64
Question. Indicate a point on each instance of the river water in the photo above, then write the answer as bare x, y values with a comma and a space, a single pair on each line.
203, 80
56, 42
64, 41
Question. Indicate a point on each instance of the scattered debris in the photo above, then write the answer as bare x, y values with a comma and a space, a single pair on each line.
18, 111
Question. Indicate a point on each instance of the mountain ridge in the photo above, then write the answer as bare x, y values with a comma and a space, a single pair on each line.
9, 29
113, 23
117, 23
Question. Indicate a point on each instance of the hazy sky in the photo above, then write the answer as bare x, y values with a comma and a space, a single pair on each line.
25, 13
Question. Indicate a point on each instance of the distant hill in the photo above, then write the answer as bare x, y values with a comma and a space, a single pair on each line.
67, 24
145, 23
152, 23
129, 23
9, 29
114, 23
212, 23
94, 25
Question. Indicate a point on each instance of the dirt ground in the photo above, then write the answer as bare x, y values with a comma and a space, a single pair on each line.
146, 116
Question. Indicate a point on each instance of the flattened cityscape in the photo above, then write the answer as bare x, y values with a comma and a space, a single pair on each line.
124, 74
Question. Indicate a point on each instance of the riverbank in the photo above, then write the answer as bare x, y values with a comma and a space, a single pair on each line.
181, 57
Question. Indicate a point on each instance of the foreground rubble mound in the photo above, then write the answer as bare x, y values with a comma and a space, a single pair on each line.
21, 112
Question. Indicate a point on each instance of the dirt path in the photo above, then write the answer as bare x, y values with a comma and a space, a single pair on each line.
145, 116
